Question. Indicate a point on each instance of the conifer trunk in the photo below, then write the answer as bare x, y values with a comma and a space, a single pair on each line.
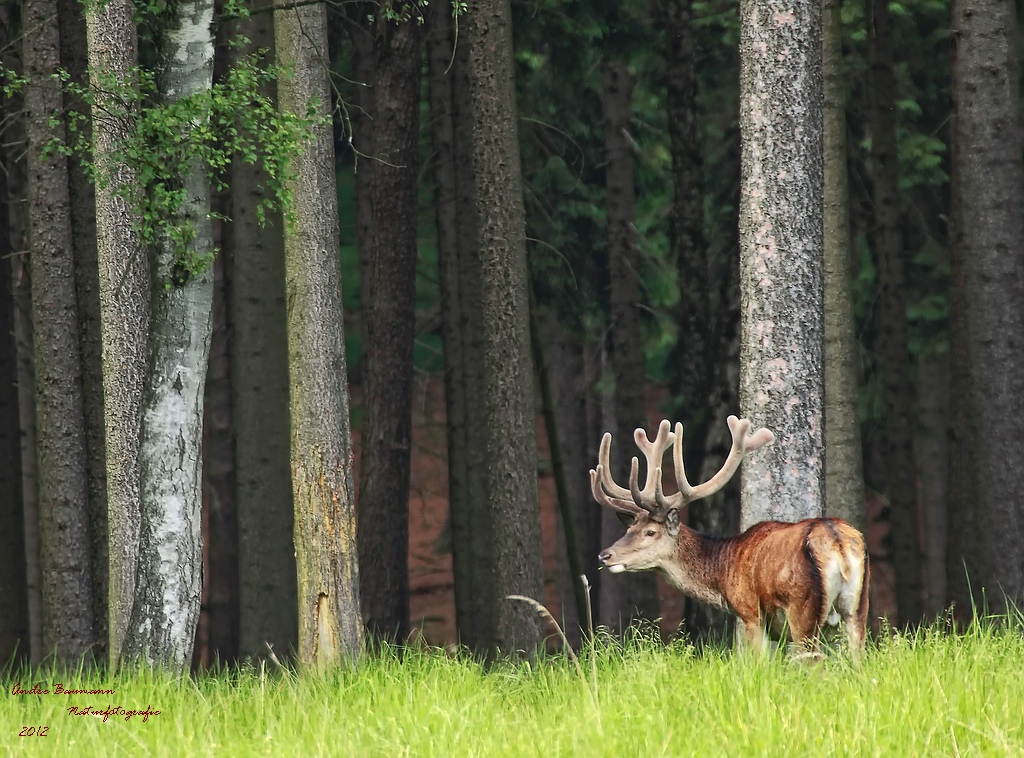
330, 626
506, 414
65, 543
124, 303
630, 596
781, 371
390, 322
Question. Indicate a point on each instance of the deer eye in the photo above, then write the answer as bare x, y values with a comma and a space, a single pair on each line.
651, 532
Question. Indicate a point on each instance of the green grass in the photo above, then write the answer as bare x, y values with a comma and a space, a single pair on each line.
930, 695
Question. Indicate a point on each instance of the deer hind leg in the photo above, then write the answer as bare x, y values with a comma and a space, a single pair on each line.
757, 637
852, 604
805, 620
852, 601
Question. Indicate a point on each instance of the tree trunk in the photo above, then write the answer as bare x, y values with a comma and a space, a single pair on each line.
66, 547
15, 645
932, 452
571, 393
321, 447
220, 512
259, 384
74, 57
364, 62
506, 413
986, 527
563, 394
167, 595
693, 350
637, 594
390, 322
844, 476
461, 328
720, 513
124, 304
892, 334
781, 258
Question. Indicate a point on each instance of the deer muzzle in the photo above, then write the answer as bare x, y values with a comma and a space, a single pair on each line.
608, 562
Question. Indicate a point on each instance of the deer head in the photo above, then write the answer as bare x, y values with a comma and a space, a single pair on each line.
651, 540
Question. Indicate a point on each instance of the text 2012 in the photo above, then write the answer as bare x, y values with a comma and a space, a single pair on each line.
34, 731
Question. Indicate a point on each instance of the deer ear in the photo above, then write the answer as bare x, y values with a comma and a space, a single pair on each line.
626, 518
672, 520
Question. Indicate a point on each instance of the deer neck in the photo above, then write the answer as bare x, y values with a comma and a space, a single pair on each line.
698, 566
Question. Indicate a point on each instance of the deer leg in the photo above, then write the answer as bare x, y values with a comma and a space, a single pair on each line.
855, 634
757, 636
804, 626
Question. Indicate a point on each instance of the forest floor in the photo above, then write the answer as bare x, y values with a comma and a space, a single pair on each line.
432, 606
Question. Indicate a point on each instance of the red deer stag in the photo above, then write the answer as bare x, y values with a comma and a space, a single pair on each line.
805, 574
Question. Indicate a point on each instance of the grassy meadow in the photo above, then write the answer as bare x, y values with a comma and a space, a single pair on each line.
933, 694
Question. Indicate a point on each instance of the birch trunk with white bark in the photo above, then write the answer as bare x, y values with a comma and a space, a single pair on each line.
167, 596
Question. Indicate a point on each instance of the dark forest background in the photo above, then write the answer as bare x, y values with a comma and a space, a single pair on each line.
616, 303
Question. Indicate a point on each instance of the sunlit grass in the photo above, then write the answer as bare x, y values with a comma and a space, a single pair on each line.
930, 694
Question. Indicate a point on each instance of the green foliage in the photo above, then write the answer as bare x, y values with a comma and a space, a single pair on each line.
932, 693
165, 138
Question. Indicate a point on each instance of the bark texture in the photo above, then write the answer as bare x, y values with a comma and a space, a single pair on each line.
506, 413
17, 215
14, 626
696, 348
74, 57
986, 549
844, 470
166, 607
562, 387
781, 258
575, 407
259, 381
217, 636
124, 303
931, 448
66, 548
390, 322
330, 627
461, 327
630, 596
892, 333
363, 128
693, 351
